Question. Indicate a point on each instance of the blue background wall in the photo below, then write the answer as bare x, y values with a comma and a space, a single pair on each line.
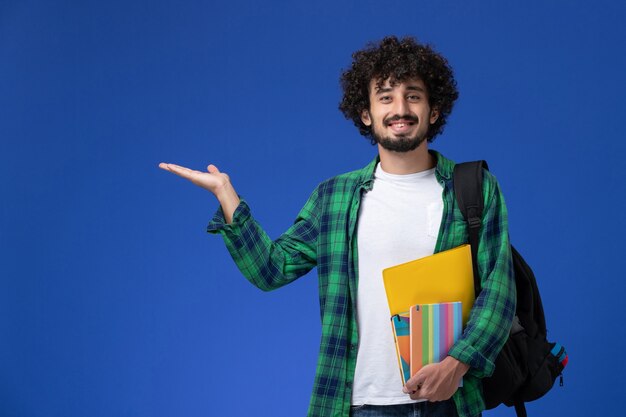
114, 301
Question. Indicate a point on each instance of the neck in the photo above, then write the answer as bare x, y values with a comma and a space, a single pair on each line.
402, 163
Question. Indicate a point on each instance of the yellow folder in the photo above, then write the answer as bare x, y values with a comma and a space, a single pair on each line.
440, 278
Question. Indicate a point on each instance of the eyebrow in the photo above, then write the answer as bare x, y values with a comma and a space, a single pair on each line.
382, 90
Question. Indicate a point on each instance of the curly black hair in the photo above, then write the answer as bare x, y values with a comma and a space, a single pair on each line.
397, 60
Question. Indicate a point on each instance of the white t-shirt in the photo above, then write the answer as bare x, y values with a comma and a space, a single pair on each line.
399, 221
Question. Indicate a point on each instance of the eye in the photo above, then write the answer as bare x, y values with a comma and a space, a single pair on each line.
414, 97
385, 99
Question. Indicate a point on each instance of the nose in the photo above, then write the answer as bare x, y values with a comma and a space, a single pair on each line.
401, 106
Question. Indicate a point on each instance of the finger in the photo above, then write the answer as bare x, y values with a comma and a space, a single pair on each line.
414, 382
180, 168
417, 396
422, 393
174, 169
170, 167
411, 383
213, 169
182, 171
412, 386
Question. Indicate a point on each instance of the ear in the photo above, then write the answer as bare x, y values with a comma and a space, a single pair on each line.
365, 118
434, 115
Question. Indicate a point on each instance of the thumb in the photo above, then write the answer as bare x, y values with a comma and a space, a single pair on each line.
212, 169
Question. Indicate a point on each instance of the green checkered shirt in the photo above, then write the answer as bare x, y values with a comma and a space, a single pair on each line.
324, 235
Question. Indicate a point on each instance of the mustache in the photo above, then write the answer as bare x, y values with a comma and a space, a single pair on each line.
407, 117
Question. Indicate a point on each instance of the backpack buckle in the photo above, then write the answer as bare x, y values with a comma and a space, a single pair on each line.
473, 220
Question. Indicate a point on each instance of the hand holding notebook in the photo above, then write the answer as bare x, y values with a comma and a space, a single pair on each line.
425, 334
435, 284
437, 381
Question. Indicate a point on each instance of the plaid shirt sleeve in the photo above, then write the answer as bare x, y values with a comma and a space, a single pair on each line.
491, 317
265, 263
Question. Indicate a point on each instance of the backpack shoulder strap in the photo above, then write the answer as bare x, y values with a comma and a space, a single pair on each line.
468, 189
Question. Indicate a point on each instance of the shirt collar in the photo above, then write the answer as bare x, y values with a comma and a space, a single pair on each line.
443, 169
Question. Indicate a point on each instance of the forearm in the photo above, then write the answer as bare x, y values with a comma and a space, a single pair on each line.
266, 263
490, 321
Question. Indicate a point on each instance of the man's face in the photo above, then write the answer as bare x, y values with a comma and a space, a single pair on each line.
399, 114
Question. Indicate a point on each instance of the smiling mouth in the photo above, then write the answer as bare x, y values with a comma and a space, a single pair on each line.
400, 126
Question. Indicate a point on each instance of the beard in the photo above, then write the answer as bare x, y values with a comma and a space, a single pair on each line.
401, 143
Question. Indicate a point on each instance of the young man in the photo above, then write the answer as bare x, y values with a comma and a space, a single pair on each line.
400, 207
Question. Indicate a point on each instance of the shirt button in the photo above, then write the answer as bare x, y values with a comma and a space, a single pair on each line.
353, 347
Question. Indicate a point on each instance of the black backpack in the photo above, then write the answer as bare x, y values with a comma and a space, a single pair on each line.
528, 364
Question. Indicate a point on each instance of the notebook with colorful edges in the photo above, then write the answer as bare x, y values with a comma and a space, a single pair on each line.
434, 328
401, 335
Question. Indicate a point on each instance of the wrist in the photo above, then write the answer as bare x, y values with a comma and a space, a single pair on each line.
224, 191
459, 368
228, 199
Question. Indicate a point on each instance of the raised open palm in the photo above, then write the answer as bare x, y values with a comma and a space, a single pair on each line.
213, 180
